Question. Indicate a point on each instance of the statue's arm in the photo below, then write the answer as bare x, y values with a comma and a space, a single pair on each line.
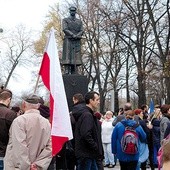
80, 33
66, 30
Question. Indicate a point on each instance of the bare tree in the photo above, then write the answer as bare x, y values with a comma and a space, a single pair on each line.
18, 45
161, 30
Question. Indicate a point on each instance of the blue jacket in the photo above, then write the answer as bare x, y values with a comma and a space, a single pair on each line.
116, 140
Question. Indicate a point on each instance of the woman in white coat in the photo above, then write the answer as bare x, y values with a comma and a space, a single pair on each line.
107, 130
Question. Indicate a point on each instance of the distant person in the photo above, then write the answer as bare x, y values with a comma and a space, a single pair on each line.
165, 120
127, 160
107, 130
29, 146
6, 118
144, 108
73, 30
17, 110
155, 129
44, 110
78, 106
121, 115
143, 146
88, 144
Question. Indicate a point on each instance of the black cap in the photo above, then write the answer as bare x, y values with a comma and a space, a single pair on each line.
33, 99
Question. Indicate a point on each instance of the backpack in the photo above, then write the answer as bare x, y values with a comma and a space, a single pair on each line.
129, 141
160, 152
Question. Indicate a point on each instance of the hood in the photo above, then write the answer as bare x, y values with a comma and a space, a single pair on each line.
78, 109
156, 122
129, 122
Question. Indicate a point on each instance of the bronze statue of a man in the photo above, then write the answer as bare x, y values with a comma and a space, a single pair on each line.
73, 30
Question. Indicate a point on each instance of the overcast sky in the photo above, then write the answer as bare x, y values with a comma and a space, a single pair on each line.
30, 13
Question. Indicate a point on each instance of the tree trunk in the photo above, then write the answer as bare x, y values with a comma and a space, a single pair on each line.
141, 89
116, 101
167, 84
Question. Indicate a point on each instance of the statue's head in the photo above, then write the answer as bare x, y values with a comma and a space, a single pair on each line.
72, 10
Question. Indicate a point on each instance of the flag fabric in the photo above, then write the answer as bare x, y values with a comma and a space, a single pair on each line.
151, 106
50, 72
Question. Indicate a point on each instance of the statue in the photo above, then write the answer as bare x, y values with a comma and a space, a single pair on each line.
73, 30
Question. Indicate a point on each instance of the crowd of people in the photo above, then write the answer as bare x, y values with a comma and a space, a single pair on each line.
133, 136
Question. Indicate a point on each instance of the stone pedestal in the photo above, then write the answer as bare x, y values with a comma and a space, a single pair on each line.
74, 83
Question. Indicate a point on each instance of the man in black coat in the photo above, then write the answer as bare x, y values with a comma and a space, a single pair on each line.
88, 144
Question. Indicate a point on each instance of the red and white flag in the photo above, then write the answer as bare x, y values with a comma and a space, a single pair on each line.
51, 75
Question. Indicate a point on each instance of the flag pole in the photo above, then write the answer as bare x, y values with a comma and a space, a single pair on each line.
36, 84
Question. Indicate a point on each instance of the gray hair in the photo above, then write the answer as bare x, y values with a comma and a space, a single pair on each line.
31, 105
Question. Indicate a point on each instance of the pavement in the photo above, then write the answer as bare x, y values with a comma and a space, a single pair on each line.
117, 167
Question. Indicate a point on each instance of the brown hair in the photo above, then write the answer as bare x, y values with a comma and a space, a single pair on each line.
130, 114
5, 94
79, 97
164, 109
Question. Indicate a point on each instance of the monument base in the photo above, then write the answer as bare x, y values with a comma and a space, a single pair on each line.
74, 83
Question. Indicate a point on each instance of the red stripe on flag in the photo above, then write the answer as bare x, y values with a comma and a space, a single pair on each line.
45, 70
58, 143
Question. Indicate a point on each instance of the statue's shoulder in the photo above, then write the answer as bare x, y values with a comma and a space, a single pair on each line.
78, 20
66, 19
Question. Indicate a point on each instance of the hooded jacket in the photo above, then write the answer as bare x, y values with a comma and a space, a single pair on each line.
117, 136
88, 142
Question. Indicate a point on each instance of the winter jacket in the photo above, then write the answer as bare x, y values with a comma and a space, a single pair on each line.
143, 123
118, 119
6, 118
156, 131
117, 136
29, 142
163, 125
107, 130
167, 131
88, 142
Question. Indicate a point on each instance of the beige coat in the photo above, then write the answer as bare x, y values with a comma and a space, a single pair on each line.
29, 142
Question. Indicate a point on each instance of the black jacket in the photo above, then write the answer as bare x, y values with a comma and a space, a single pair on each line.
6, 118
88, 142
156, 131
